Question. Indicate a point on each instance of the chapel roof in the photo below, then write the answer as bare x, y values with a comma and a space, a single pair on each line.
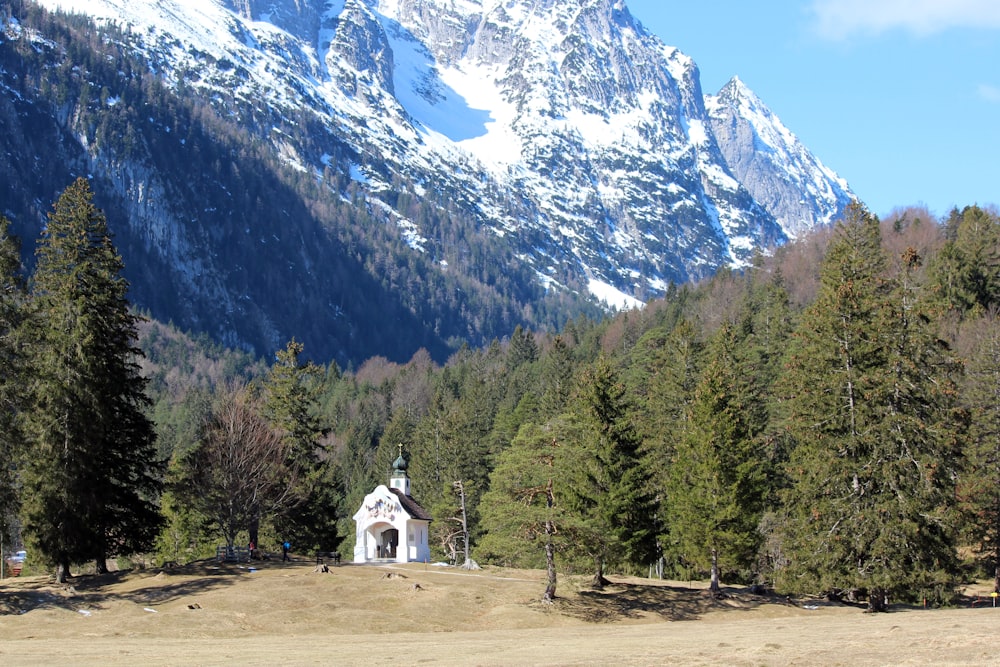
411, 506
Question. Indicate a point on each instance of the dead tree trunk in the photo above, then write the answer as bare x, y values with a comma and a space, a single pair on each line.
460, 487
550, 548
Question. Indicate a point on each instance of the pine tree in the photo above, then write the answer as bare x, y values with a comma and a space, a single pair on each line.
967, 269
557, 376
523, 349
868, 401
770, 325
463, 441
290, 394
769, 314
92, 479
719, 473
524, 520
666, 415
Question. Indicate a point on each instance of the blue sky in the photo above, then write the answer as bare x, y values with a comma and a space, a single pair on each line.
899, 97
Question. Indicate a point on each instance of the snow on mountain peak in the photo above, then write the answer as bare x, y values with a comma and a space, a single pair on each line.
567, 128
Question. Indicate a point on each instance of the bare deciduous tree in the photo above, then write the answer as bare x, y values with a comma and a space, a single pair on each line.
238, 472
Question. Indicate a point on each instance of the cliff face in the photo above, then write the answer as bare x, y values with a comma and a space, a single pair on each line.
780, 172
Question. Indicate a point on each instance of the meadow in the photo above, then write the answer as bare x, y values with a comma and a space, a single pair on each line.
270, 612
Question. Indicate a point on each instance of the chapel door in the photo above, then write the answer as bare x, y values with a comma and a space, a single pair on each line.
390, 539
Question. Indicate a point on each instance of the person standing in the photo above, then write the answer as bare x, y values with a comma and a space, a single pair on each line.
285, 546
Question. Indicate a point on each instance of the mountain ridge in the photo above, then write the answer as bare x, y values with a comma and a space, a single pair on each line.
572, 141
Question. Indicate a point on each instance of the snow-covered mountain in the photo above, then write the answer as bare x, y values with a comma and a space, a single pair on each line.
578, 139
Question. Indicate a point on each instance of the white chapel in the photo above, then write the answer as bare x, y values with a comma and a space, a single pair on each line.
390, 525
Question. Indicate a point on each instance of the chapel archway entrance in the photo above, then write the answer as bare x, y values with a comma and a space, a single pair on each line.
387, 543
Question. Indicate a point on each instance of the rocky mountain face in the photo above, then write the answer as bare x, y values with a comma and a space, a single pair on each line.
481, 163
770, 162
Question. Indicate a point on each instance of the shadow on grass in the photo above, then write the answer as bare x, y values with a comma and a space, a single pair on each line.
619, 601
96, 591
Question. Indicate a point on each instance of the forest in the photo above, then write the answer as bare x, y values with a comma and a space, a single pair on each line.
825, 422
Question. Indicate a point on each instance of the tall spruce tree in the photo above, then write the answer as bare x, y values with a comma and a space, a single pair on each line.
92, 479
290, 406
719, 472
523, 349
611, 493
12, 374
868, 398
665, 417
557, 375
967, 269
770, 325
980, 483
463, 441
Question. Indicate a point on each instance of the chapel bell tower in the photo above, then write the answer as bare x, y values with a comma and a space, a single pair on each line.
399, 479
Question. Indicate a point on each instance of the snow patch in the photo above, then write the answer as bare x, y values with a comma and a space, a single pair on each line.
697, 133
613, 296
357, 175
429, 100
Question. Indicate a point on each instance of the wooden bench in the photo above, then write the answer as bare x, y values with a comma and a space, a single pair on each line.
227, 554
332, 556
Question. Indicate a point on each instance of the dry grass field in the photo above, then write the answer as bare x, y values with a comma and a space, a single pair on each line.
289, 614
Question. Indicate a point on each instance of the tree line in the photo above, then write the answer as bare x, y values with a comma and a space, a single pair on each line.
822, 422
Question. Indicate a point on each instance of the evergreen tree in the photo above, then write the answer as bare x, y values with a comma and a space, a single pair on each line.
185, 535
524, 520
12, 374
290, 394
92, 479
557, 375
464, 440
770, 319
309, 518
980, 485
967, 268
868, 405
665, 417
523, 349
719, 473
611, 494
770, 325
